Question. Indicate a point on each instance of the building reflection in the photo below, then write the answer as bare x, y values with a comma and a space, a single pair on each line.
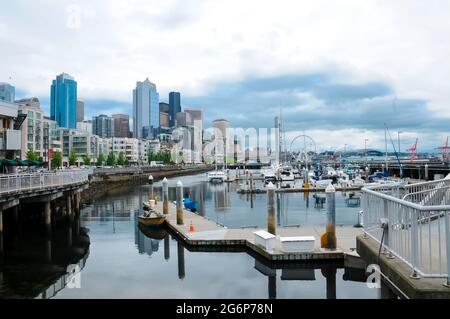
30, 263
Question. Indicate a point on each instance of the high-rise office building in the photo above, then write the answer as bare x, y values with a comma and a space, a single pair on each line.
164, 115
174, 107
196, 118
7, 92
121, 125
145, 109
63, 101
103, 126
80, 111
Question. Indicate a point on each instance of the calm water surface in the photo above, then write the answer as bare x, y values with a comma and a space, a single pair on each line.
123, 262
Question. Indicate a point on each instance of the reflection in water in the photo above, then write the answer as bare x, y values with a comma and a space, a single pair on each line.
35, 264
290, 271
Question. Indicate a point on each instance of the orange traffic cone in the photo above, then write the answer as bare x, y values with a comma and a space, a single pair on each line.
191, 227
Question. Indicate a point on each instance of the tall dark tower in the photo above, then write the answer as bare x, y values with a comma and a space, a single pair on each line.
174, 107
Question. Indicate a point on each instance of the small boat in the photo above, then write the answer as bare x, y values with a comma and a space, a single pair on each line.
191, 205
216, 177
151, 219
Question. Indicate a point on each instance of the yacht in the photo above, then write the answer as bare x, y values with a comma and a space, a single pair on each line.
217, 177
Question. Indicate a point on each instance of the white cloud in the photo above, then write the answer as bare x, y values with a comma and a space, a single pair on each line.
186, 45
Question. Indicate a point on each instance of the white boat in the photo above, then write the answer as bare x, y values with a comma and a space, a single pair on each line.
322, 183
217, 177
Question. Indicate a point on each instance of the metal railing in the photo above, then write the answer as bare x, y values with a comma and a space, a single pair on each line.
418, 225
15, 183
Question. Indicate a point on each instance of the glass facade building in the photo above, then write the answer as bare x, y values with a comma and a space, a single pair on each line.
145, 110
63, 101
7, 92
174, 107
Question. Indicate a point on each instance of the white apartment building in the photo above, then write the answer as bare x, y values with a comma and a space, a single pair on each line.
129, 146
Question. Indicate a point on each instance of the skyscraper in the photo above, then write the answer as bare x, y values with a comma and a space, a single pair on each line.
7, 92
145, 109
103, 126
80, 111
174, 107
121, 125
63, 101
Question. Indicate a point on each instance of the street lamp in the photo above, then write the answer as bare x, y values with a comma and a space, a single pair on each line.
365, 151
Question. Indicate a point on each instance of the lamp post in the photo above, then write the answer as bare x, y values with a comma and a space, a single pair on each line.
365, 152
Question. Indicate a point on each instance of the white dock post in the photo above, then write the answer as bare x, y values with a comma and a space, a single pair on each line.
180, 203
271, 222
328, 240
165, 196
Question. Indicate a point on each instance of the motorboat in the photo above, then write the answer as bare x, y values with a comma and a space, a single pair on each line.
217, 177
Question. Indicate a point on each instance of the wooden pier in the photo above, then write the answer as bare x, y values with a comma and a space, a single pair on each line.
207, 233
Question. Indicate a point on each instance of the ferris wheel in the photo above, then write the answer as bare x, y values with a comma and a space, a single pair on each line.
305, 148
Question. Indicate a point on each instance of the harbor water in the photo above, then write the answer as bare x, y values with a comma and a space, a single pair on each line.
122, 261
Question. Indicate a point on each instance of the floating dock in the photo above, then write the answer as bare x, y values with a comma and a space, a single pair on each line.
297, 190
208, 233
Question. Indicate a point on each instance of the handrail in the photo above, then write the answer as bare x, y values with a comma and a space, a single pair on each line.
425, 191
406, 203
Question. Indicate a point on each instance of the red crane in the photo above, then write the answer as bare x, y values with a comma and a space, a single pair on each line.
445, 150
413, 151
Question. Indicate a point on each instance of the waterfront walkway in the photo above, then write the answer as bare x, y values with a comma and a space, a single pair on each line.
209, 233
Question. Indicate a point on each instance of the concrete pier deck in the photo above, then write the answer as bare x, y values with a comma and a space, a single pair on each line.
208, 233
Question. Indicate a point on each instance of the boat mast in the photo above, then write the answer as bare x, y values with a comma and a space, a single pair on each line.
385, 145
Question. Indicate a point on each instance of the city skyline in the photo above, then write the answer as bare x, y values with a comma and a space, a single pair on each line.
252, 65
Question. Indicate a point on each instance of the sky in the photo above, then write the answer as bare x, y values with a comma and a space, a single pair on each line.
338, 71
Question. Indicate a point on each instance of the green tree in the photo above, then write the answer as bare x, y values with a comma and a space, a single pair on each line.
57, 160
100, 159
73, 158
111, 160
121, 159
87, 160
32, 155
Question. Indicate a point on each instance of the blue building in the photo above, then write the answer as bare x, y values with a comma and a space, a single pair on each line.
7, 92
145, 110
63, 101
174, 107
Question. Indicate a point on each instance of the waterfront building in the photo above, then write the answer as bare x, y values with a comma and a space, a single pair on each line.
128, 146
10, 134
7, 92
63, 101
174, 107
83, 143
80, 111
50, 138
145, 110
121, 125
32, 130
103, 126
85, 126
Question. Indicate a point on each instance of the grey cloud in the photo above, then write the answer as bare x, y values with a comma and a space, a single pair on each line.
315, 101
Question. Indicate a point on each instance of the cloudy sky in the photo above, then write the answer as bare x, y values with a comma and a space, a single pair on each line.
338, 70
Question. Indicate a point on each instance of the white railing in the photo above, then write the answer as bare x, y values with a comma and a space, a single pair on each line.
26, 182
416, 233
